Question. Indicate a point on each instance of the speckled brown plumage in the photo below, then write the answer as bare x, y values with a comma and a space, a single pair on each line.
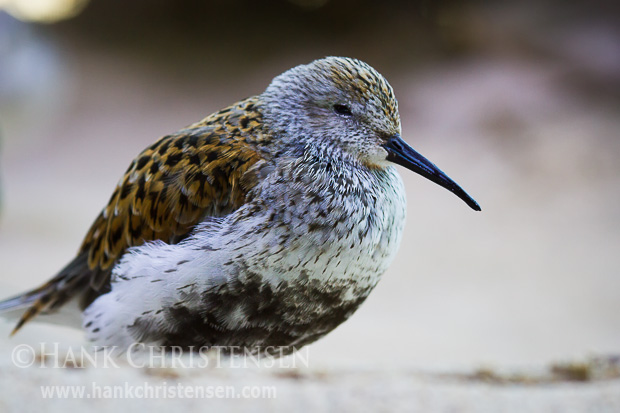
173, 184
202, 170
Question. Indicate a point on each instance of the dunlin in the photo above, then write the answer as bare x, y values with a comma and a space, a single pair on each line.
265, 224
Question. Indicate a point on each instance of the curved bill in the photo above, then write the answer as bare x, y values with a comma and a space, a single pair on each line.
402, 154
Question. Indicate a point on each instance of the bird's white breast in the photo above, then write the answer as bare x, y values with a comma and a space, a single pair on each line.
316, 250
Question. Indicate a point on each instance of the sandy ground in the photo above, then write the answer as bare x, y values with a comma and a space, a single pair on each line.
530, 281
305, 389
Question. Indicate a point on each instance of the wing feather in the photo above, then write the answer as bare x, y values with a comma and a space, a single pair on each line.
205, 170
177, 182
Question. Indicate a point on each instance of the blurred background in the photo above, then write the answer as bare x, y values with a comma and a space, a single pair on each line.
519, 102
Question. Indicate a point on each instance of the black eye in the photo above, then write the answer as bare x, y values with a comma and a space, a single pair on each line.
343, 110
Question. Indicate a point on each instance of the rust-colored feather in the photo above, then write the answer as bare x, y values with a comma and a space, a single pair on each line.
203, 170
173, 184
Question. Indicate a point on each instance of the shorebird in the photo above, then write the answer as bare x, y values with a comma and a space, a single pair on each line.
265, 224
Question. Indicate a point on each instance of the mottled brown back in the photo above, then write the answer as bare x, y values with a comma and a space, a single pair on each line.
202, 171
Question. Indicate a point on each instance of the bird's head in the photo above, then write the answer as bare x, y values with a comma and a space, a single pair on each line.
342, 107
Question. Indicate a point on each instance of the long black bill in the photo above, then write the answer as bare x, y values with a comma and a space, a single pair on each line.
402, 154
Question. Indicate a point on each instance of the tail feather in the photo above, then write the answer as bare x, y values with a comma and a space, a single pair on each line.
20, 301
70, 282
15, 305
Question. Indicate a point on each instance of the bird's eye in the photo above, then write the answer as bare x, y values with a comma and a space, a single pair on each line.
343, 110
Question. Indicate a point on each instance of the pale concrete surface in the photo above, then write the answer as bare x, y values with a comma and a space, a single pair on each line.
302, 389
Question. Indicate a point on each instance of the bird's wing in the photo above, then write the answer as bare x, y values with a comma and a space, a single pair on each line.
175, 183
207, 169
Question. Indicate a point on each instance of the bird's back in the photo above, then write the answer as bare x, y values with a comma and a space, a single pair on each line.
205, 170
